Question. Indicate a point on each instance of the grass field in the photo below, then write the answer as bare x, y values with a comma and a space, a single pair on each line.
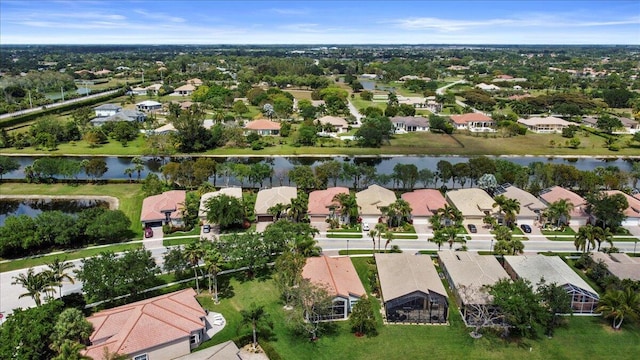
584, 337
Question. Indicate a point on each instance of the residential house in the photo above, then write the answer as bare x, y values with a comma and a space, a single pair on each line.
632, 212
531, 207
415, 101
535, 268
162, 209
424, 204
578, 215
468, 275
270, 197
185, 90
153, 89
411, 289
321, 203
263, 127
488, 87
138, 91
473, 203
195, 82
122, 115
235, 192
339, 124
371, 200
159, 328
227, 350
404, 124
620, 265
545, 125
339, 278
474, 122
629, 126
149, 106
105, 110
103, 72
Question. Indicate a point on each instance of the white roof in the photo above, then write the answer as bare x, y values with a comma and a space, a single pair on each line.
471, 202
534, 121
551, 268
148, 103
230, 191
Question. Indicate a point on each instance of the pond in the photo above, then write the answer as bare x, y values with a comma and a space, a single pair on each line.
33, 207
370, 85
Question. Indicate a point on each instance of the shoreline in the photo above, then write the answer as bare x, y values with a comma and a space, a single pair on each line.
114, 202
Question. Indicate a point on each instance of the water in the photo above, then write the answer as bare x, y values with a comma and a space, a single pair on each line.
370, 85
383, 164
33, 207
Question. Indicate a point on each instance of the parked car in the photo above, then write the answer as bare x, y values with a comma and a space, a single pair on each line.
365, 226
526, 228
148, 232
206, 228
472, 228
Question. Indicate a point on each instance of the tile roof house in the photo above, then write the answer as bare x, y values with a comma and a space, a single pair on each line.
185, 90
473, 203
227, 350
165, 208
338, 276
105, 110
410, 123
411, 289
262, 127
163, 327
371, 199
545, 125
632, 212
195, 82
620, 265
579, 214
321, 204
424, 202
584, 299
339, 124
138, 90
122, 115
467, 273
269, 197
235, 192
474, 122
149, 105
530, 206
487, 87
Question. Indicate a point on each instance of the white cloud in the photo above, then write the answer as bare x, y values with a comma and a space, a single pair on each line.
160, 16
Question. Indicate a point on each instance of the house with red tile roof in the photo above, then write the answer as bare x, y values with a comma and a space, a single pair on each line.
321, 203
262, 127
475, 122
424, 203
579, 214
163, 327
162, 209
632, 212
339, 277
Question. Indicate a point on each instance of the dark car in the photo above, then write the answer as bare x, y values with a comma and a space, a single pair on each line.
526, 228
148, 232
472, 228
206, 228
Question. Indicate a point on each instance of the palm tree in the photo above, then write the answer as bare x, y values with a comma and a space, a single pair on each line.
439, 238
70, 350
35, 284
453, 215
348, 206
138, 165
560, 210
255, 317
489, 220
58, 272
436, 221
212, 262
129, 171
277, 210
380, 228
451, 234
585, 239
510, 208
193, 252
603, 235
389, 236
617, 304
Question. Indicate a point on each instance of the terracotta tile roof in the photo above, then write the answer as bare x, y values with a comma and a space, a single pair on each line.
321, 200
187, 87
373, 198
262, 124
153, 207
402, 274
621, 265
470, 117
335, 121
277, 195
145, 324
424, 202
633, 210
337, 275
556, 193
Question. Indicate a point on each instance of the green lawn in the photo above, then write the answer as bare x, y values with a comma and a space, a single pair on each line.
130, 195
68, 255
584, 337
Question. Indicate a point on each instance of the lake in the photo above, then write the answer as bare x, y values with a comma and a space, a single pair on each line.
33, 207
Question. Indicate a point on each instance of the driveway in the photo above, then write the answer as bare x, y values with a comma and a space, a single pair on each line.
154, 242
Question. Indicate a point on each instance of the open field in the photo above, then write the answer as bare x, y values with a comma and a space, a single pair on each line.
584, 337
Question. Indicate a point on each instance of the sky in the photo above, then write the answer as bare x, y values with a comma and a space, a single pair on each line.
320, 22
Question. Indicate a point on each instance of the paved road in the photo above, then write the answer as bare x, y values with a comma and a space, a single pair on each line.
9, 293
58, 104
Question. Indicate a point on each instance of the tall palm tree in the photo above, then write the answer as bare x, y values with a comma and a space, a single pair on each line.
585, 239
618, 304
138, 165
277, 210
212, 261
603, 235
509, 207
373, 233
58, 272
381, 228
255, 317
451, 235
193, 252
34, 283
389, 236
129, 172
70, 350
560, 210
439, 238
450, 213
348, 206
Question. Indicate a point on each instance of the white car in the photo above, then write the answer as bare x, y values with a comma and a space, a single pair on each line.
365, 226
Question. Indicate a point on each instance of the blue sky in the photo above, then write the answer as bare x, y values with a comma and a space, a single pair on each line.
319, 22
